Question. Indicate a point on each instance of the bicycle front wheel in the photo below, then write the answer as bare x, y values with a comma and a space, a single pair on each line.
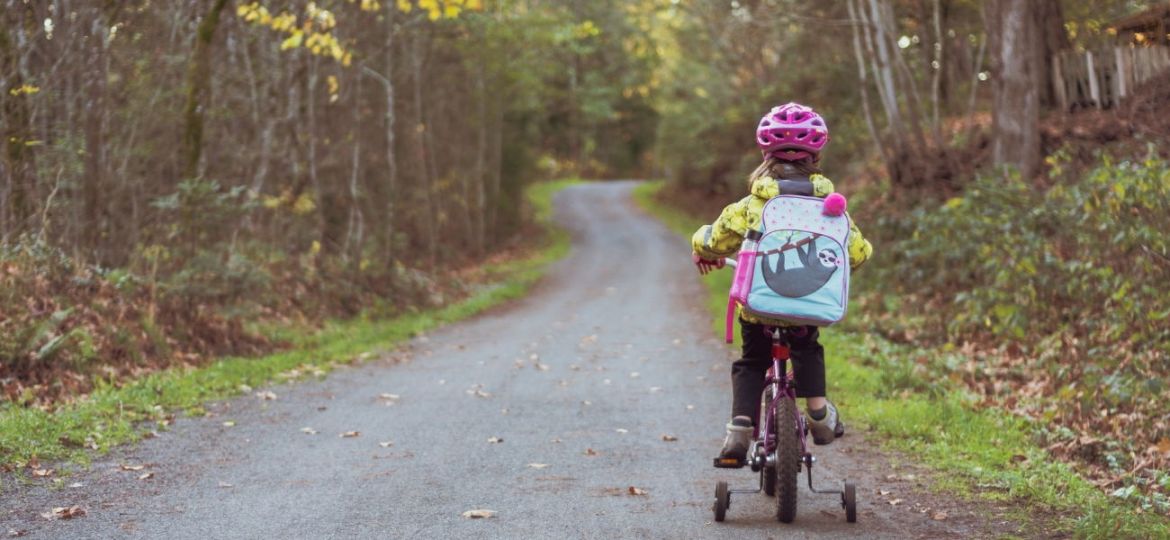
788, 459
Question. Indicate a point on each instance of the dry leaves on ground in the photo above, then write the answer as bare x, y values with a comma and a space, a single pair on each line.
64, 512
669, 438
479, 514
638, 492
351, 434
495, 440
126, 467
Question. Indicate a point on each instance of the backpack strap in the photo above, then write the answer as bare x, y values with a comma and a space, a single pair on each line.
796, 186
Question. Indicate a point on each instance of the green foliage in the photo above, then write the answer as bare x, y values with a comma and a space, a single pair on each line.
1086, 260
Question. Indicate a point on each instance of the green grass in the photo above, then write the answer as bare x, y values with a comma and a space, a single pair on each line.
914, 408
113, 415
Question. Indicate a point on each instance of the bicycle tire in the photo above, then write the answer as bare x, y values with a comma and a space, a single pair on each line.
787, 460
768, 472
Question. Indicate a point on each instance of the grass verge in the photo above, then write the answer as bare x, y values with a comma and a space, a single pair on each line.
117, 414
903, 394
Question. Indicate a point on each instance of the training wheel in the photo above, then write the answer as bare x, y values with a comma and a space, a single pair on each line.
722, 500
849, 501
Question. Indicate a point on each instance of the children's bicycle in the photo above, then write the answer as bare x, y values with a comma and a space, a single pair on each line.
779, 448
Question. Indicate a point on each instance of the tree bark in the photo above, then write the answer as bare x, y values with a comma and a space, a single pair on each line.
1015, 39
198, 88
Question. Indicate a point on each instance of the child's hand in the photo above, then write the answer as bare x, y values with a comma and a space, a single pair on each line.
705, 266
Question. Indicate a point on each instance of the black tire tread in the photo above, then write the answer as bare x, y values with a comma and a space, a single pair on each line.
787, 461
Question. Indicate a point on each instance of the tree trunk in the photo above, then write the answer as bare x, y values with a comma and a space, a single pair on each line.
1015, 39
430, 223
198, 88
391, 157
18, 166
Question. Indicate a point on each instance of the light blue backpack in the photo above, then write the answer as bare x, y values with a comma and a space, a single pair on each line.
797, 270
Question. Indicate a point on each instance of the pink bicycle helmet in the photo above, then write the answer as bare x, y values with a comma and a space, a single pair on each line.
792, 132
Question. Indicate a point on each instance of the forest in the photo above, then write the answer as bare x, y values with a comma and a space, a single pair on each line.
187, 180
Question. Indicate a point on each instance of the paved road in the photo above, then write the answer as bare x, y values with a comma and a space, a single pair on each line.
579, 382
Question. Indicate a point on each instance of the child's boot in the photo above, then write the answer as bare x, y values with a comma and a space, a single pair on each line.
825, 424
739, 437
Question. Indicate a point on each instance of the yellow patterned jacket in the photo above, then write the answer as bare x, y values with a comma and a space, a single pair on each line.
723, 238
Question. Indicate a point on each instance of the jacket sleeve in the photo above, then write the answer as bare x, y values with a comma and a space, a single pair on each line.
723, 238
860, 250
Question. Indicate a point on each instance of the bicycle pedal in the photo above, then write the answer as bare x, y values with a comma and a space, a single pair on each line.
729, 463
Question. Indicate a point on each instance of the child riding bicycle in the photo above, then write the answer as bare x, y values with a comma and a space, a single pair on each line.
791, 138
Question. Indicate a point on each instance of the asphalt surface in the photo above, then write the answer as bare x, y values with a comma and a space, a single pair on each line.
578, 383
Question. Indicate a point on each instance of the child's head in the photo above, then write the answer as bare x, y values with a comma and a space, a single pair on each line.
791, 138
793, 133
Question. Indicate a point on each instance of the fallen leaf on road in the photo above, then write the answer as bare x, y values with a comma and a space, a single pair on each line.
495, 440
622, 430
76, 485
939, 516
587, 403
895, 502
636, 491
538, 465
309, 430
229, 423
266, 395
69, 512
669, 438
386, 444
655, 389
534, 357
542, 367
591, 452
390, 399
556, 440
479, 514
225, 485
883, 492
42, 472
635, 375
146, 476
690, 407
349, 434
125, 467
13, 533
574, 367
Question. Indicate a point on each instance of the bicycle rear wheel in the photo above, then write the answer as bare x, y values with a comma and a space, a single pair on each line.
787, 460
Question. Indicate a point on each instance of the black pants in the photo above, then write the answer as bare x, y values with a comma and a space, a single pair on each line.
747, 373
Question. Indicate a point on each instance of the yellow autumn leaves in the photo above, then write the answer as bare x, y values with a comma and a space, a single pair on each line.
313, 31
440, 9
